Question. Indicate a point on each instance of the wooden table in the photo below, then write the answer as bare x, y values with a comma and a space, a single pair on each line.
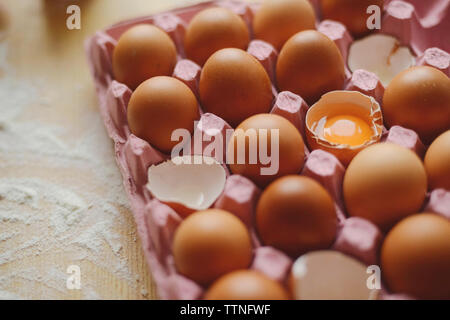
34, 251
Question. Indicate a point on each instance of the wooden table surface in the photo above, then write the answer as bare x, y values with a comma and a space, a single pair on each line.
34, 250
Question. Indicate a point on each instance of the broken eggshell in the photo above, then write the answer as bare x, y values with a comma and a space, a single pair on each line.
380, 54
334, 103
330, 275
187, 183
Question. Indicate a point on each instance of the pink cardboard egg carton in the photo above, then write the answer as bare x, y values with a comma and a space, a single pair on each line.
423, 25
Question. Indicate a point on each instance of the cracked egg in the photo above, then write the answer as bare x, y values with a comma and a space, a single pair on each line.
381, 54
330, 275
187, 183
343, 123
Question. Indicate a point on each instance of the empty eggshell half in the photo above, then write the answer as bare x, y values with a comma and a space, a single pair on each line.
380, 54
187, 183
342, 103
330, 275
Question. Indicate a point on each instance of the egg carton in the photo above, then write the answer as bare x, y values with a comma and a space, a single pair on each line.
422, 25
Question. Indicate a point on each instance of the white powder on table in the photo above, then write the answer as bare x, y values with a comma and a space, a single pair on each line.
45, 208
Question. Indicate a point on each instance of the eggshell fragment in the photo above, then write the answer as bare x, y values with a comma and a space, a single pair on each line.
272, 262
239, 196
406, 138
415, 257
384, 183
437, 162
439, 203
360, 239
342, 102
209, 244
276, 21
187, 182
330, 275
246, 285
380, 54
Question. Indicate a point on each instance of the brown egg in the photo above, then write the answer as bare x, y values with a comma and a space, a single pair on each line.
285, 153
235, 86
437, 162
352, 13
296, 214
246, 285
384, 183
310, 65
142, 52
214, 29
415, 257
419, 99
276, 21
211, 243
158, 107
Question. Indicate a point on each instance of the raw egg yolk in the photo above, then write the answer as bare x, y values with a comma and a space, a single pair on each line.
347, 129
